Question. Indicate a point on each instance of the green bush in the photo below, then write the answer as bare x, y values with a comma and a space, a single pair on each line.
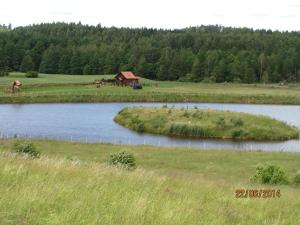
27, 148
123, 159
269, 174
236, 133
237, 122
124, 113
32, 74
221, 121
296, 179
137, 125
140, 127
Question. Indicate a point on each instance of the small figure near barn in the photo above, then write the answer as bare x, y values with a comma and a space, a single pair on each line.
15, 86
127, 78
99, 83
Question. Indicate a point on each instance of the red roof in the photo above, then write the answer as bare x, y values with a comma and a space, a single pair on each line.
128, 75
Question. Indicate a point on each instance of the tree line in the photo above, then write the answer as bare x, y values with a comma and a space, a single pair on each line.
204, 53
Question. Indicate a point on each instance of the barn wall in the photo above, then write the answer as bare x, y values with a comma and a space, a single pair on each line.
125, 81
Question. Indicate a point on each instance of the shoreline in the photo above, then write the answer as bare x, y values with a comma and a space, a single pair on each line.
32, 99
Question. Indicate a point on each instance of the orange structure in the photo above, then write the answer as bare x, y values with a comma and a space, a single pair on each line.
126, 78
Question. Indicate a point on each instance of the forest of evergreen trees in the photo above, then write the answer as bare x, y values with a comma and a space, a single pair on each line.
205, 53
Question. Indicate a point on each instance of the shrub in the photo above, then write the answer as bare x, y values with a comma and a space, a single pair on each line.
26, 148
296, 179
123, 159
237, 122
140, 127
137, 125
236, 133
32, 74
124, 113
221, 121
269, 174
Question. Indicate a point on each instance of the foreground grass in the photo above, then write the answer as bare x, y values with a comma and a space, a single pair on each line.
75, 88
72, 184
205, 124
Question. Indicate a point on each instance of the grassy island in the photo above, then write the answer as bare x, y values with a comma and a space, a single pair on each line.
205, 124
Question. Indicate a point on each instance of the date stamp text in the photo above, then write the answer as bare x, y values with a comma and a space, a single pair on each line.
257, 193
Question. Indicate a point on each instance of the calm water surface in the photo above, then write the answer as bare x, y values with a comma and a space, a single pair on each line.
94, 123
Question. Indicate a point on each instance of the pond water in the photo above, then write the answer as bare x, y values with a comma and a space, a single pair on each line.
94, 123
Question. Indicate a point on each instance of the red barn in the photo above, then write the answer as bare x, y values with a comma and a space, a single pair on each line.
126, 78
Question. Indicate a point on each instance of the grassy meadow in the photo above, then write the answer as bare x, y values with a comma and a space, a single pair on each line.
205, 124
50, 79
79, 88
73, 184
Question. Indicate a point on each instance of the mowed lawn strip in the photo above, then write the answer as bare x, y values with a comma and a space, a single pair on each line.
205, 124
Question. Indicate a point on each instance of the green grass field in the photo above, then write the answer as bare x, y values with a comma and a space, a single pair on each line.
205, 124
50, 79
72, 184
78, 88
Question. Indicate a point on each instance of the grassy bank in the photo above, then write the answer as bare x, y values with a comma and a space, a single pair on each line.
72, 184
74, 88
205, 124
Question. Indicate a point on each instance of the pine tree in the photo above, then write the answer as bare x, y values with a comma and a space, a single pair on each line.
27, 64
165, 63
87, 70
50, 60
198, 68
64, 63
76, 63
